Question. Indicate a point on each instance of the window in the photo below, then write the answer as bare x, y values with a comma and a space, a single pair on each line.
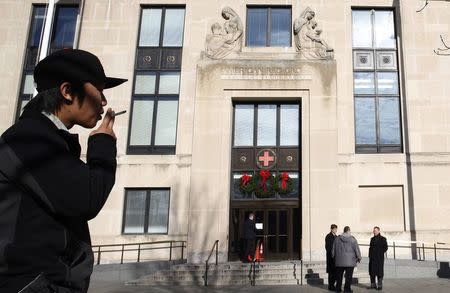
146, 211
156, 86
375, 82
268, 27
266, 136
268, 124
62, 36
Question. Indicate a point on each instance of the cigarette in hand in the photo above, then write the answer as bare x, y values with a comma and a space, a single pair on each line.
119, 113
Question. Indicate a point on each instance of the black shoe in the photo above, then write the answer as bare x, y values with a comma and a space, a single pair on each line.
331, 288
379, 288
350, 291
372, 286
338, 290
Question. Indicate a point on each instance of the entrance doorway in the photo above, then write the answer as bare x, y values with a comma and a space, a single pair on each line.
266, 178
279, 232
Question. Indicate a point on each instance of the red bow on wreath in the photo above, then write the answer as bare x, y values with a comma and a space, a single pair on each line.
265, 174
284, 179
245, 179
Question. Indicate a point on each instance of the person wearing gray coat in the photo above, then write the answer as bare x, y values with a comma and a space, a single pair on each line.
346, 255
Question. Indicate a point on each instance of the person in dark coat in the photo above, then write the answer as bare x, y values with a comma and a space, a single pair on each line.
47, 193
346, 255
377, 249
250, 237
331, 267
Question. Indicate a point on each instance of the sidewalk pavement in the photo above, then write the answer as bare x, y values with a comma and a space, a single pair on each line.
390, 285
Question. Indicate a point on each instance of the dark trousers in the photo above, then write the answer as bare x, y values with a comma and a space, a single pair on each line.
379, 280
332, 278
348, 278
249, 248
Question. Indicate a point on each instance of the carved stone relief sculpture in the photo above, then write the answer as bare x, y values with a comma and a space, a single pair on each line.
308, 39
225, 38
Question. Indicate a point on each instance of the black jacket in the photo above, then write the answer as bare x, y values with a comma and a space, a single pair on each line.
329, 241
250, 229
47, 195
378, 246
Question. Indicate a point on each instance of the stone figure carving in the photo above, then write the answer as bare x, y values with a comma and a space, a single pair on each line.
227, 38
307, 36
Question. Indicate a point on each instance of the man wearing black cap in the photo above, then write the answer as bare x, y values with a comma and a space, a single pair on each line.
47, 194
331, 267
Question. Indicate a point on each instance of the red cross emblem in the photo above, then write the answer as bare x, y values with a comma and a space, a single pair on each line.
266, 159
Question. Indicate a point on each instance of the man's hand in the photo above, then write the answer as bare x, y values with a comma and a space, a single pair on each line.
107, 124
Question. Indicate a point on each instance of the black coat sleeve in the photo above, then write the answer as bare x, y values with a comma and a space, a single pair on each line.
329, 240
372, 247
250, 229
71, 187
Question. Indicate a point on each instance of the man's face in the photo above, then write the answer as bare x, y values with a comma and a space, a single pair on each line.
89, 112
376, 231
334, 230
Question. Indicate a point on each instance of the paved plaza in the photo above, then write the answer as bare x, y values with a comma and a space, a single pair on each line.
393, 285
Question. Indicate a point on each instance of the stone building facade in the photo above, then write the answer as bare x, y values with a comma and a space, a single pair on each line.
346, 97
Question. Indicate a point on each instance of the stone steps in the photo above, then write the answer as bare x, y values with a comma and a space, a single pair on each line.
237, 266
214, 282
236, 273
225, 272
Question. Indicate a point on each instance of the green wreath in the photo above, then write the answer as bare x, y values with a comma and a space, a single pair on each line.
247, 186
271, 185
289, 184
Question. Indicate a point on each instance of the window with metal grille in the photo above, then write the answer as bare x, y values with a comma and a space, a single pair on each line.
266, 136
156, 87
376, 82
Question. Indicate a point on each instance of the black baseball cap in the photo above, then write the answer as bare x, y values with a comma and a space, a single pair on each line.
71, 65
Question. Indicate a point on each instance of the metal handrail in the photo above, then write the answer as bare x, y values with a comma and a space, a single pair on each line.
410, 241
419, 246
97, 249
216, 245
301, 269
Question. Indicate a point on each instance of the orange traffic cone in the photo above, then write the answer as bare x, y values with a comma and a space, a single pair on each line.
259, 251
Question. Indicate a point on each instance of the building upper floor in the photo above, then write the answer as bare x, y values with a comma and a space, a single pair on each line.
392, 71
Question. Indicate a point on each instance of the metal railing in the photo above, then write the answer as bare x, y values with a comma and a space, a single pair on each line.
252, 273
99, 250
417, 248
301, 272
216, 246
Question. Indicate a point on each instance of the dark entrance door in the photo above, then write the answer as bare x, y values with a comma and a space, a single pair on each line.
266, 177
274, 234
279, 232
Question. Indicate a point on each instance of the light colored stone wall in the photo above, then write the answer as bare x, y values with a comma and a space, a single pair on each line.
14, 19
338, 186
112, 34
216, 89
424, 87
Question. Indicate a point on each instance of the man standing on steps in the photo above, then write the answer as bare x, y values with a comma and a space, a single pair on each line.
377, 249
331, 267
250, 237
346, 254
